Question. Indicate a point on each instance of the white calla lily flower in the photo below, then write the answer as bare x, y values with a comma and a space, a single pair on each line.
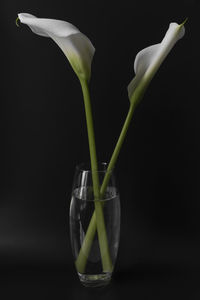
75, 45
148, 61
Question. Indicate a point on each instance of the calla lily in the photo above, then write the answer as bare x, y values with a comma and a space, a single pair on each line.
148, 61
79, 51
75, 45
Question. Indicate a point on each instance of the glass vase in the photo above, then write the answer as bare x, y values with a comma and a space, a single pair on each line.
94, 225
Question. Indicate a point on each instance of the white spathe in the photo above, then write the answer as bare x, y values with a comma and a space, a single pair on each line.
148, 61
75, 45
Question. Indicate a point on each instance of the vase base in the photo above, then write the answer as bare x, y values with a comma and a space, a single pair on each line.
95, 280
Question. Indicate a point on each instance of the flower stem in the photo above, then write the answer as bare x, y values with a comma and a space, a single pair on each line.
86, 246
99, 217
117, 150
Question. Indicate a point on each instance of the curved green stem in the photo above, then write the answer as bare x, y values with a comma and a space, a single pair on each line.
86, 246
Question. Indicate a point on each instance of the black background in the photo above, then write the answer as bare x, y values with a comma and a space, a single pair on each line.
43, 137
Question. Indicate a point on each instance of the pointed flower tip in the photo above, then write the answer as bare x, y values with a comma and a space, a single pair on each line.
17, 22
182, 24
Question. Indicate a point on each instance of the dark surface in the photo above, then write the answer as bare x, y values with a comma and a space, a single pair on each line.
43, 137
144, 281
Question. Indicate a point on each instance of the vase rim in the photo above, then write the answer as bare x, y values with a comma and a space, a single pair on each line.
86, 167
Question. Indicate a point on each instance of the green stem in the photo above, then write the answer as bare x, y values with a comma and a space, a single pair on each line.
117, 150
100, 223
86, 246
91, 137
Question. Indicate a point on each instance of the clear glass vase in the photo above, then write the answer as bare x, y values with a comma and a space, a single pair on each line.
94, 225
